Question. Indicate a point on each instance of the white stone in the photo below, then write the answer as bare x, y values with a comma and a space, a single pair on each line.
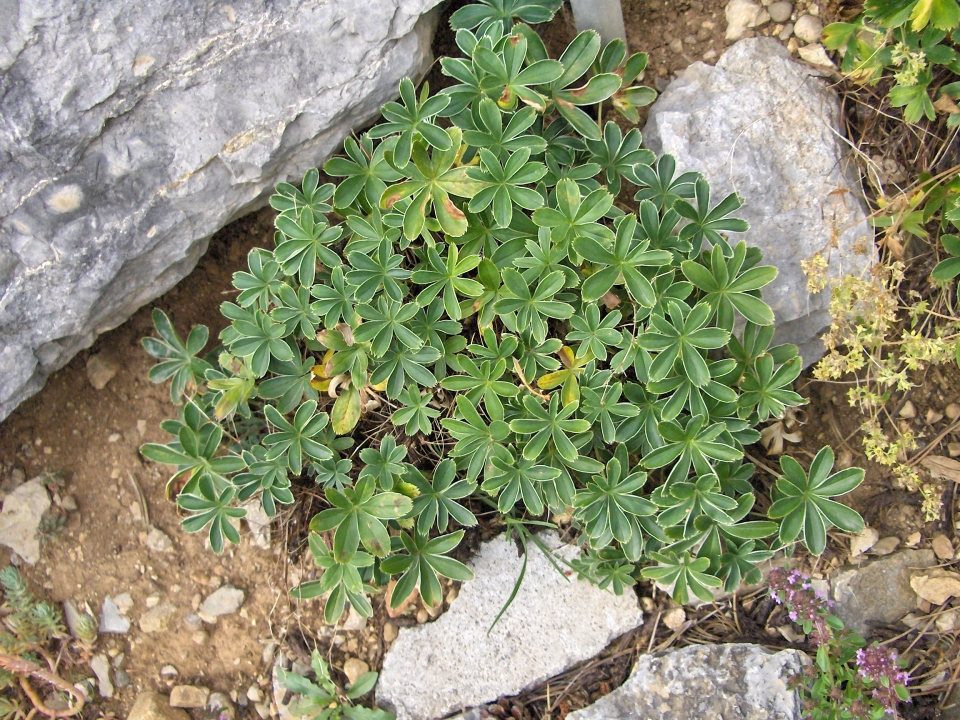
157, 619
762, 125
808, 28
23, 510
554, 622
740, 15
101, 370
705, 681
816, 55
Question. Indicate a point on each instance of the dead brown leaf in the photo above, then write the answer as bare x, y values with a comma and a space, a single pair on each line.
942, 467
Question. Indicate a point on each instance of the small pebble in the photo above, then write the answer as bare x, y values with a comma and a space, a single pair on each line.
199, 637
121, 679
152, 601
953, 449
780, 11
354, 669
263, 710
422, 616
808, 28
254, 694
952, 411
168, 671
690, 40
676, 46
710, 54
390, 632
786, 33
193, 621
908, 411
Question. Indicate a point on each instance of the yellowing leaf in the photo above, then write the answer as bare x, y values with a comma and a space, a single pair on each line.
346, 411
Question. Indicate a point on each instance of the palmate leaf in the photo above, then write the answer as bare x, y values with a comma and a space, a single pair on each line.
178, 360
482, 382
341, 578
385, 464
660, 184
683, 574
477, 442
433, 179
531, 307
803, 501
365, 168
416, 415
616, 155
357, 517
552, 424
270, 477
622, 264
680, 339
504, 77
575, 216
518, 478
422, 565
767, 392
577, 60
483, 128
485, 13
411, 120
503, 184
303, 242
690, 442
611, 503
254, 336
727, 287
212, 508
443, 277
706, 223
437, 501
296, 439
261, 283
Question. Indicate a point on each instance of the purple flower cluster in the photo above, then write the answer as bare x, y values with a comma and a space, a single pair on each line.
807, 606
878, 664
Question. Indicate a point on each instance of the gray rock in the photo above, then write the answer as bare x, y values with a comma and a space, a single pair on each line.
101, 668
157, 618
193, 621
705, 681
258, 521
808, 28
22, 512
878, 592
121, 679
112, 619
158, 541
154, 706
224, 601
189, 696
555, 621
762, 125
780, 11
132, 131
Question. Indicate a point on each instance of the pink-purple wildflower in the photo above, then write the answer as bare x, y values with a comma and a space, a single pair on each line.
807, 605
878, 663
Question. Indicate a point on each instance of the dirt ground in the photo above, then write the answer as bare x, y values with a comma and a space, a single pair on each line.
92, 437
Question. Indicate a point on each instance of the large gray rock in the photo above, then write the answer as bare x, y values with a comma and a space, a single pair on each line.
554, 622
132, 131
764, 126
878, 592
705, 681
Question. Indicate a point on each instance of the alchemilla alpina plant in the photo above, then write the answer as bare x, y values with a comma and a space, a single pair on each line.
467, 316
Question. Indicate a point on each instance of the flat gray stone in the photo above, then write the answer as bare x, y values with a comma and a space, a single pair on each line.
715, 682
879, 591
555, 621
23, 510
101, 668
223, 601
157, 618
112, 618
762, 125
132, 131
